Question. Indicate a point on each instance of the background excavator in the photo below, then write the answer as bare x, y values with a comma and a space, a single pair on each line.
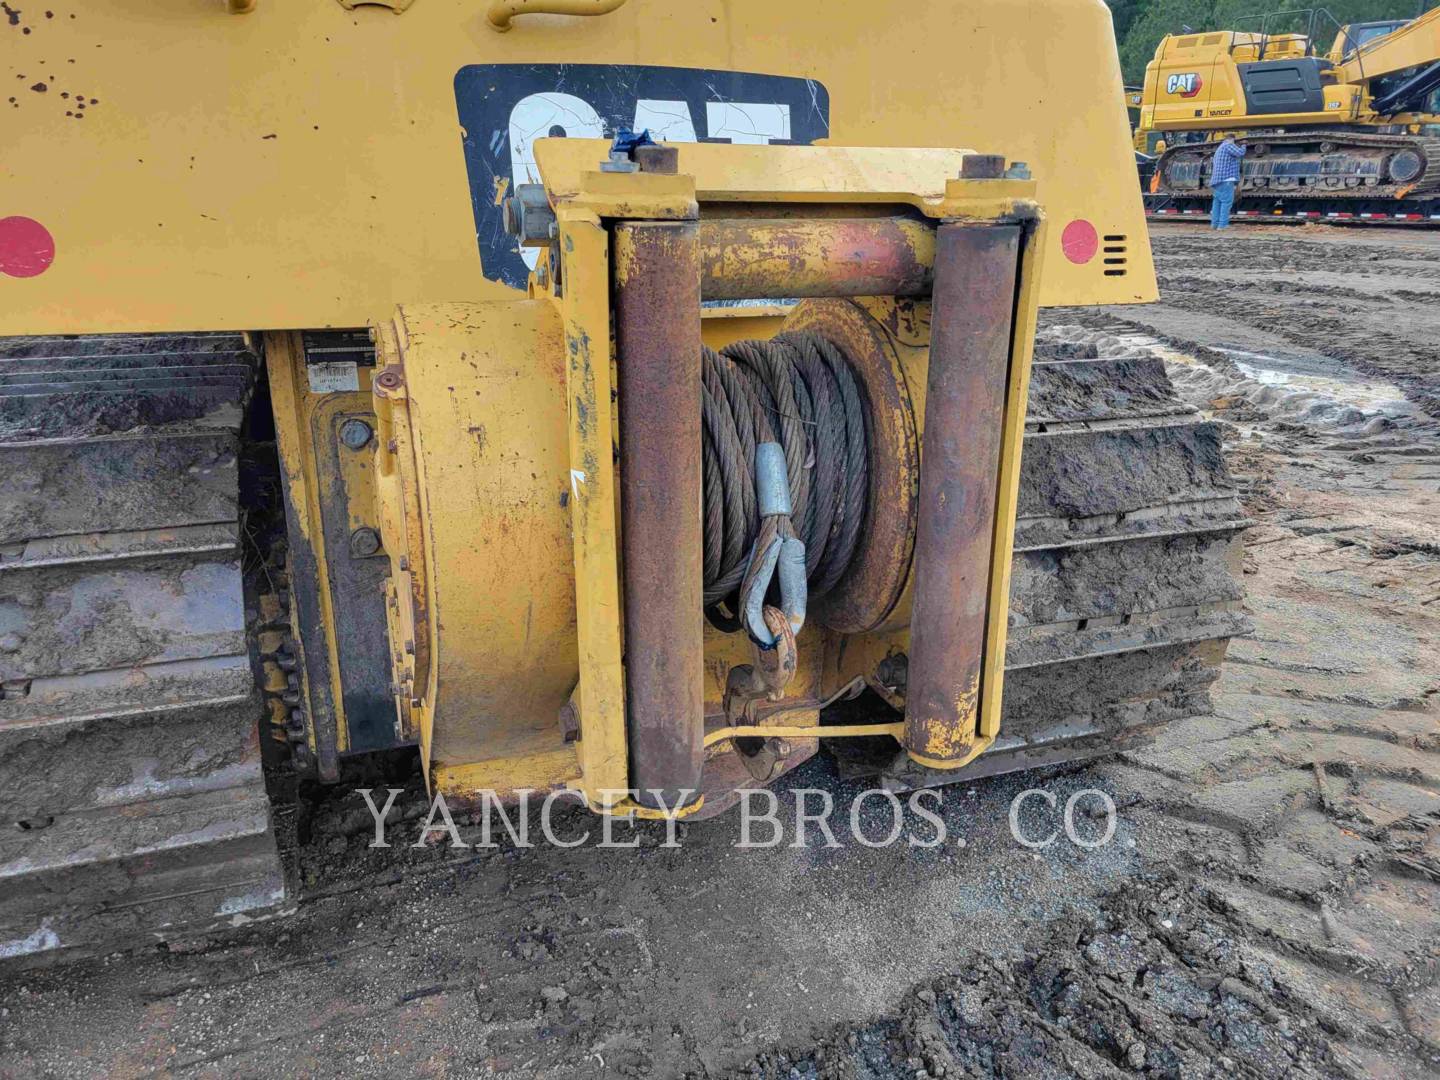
616, 399
1352, 134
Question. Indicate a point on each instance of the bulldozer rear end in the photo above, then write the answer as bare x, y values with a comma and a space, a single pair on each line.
534, 389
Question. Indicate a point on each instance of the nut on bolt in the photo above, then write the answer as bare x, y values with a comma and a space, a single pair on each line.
528, 216
619, 162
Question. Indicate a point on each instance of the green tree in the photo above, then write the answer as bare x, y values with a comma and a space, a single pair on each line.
1124, 13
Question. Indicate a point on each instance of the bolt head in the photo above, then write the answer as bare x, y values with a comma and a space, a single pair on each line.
658, 159
356, 434
364, 542
982, 166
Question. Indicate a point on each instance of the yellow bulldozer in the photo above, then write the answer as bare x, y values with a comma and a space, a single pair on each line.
1351, 134
622, 399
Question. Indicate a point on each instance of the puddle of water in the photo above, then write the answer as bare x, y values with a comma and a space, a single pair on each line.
1275, 380
1378, 397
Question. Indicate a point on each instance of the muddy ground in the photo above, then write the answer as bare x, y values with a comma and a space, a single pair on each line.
1266, 907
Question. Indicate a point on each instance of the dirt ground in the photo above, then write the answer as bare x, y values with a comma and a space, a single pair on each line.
1267, 905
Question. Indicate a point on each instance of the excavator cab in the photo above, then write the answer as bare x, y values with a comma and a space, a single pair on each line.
1354, 36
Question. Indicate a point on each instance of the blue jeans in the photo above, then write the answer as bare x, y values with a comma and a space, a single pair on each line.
1221, 204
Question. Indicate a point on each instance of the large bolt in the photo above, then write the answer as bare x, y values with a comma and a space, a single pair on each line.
528, 216
364, 543
355, 434
658, 159
982, 166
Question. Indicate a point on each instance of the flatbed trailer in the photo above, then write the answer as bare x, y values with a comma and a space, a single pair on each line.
1414, 212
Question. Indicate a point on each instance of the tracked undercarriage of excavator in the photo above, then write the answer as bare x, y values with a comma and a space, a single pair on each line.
738, 449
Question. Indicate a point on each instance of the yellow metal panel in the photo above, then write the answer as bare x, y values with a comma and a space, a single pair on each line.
1017, 396
506, 777
585, 263
481, 389
301, 165
399, 500
721, 173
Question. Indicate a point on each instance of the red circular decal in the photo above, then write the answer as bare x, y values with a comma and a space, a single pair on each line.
1080, 241
26, 247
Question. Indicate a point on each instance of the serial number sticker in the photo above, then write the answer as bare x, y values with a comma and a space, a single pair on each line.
333, 377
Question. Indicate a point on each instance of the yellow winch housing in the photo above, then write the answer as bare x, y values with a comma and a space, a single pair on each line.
501, 503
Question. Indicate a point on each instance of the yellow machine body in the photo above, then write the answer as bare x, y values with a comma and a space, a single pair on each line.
1195, 81
316, 166
302, 165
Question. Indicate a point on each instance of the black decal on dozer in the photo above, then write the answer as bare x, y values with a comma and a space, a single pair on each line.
505, 107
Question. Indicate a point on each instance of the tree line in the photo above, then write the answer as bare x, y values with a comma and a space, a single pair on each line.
1140, 24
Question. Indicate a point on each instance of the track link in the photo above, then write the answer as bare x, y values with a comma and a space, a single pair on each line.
132, 802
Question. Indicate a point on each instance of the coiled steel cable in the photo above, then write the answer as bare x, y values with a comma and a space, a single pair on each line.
798, 390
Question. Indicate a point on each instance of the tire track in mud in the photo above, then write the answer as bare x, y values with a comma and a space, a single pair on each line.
1383, 322
1295, 932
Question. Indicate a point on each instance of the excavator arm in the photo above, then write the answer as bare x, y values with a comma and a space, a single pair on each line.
1415, 44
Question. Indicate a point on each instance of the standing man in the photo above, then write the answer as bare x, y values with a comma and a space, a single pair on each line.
1224, 176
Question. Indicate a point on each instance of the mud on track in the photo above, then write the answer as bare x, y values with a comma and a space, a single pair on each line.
1267, 907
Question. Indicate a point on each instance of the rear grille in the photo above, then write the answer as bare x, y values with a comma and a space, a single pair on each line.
1115, 254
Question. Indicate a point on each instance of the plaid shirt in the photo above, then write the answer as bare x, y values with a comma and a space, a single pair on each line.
1227, 163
